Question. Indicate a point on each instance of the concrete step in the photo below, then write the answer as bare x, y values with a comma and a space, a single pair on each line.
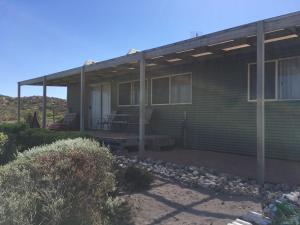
252, 218
257, 218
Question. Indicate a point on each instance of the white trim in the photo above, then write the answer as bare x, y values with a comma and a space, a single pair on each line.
248, 86
170, 91
276, 60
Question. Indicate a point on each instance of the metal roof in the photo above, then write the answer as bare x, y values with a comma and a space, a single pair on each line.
275, 28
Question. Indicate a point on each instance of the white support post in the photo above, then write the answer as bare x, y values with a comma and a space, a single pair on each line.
44, 102
19, 103
82, 99
142, 107
260, 110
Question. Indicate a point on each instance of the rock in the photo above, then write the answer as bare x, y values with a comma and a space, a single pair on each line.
195, 173
219, 182
293, 197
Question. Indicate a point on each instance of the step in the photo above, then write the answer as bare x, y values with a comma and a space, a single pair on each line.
257, 218
239, 222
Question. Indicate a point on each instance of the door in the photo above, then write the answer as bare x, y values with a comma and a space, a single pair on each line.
100, 104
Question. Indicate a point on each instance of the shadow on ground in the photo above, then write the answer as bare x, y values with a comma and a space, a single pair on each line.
169, 203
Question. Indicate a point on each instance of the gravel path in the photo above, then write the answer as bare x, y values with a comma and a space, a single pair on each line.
169, 203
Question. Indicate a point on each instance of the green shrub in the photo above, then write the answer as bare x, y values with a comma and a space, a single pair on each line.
286, 214
35, 137
13, 131
137, 179
8, 150
117, 212
13, 128
66, 182
3, 139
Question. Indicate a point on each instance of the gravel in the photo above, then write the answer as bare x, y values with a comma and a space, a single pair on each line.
201, 177
207, 178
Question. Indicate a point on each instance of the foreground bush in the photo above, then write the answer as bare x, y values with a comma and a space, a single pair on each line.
137, 179
63, 183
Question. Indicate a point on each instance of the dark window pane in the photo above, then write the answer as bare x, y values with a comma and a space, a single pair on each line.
136, 93
181, 89
160, 91
270, 70
124, 94
289, 78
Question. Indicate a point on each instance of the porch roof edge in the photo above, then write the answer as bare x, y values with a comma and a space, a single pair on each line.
271, 24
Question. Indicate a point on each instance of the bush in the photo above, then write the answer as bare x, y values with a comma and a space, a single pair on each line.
137, 179
8, 150
286, 214
3, 139
29, 138
67, 182
117, 212
13, 128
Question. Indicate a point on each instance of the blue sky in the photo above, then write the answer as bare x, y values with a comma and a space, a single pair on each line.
41, 37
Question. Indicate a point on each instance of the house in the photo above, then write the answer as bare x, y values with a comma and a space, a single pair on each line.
237, 90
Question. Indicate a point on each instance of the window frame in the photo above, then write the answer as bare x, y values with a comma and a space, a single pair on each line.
277, 60
276, 81
170, 90
131, 92
146, 92
118, 93
281, 59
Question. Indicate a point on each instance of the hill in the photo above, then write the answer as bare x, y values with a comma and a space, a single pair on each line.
29, 105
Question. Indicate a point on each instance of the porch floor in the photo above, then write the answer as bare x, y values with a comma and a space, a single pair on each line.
126, 141
277, 171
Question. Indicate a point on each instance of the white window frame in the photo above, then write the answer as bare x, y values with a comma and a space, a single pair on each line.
131, 92
276, 81
281, 59
170, 91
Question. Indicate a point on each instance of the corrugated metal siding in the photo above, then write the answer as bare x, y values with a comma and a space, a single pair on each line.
221, 118
73, 98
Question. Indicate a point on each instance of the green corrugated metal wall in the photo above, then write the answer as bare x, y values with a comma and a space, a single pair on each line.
221, 118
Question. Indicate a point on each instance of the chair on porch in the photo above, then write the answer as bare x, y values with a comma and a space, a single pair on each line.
70, 122
134, 120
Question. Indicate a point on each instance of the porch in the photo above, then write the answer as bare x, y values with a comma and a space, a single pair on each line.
125, 141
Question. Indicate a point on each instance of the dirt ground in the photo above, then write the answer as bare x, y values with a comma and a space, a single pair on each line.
171, 204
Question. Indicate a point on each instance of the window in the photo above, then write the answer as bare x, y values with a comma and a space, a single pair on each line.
289, 78
282, 79
136, 92
160, 90
173, 89
270, 81
129, 93
181, 89
125, 93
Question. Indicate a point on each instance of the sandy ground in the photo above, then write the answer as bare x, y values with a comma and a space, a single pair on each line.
168, 203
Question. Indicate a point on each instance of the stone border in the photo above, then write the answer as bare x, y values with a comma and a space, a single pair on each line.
206, 178
201, 177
